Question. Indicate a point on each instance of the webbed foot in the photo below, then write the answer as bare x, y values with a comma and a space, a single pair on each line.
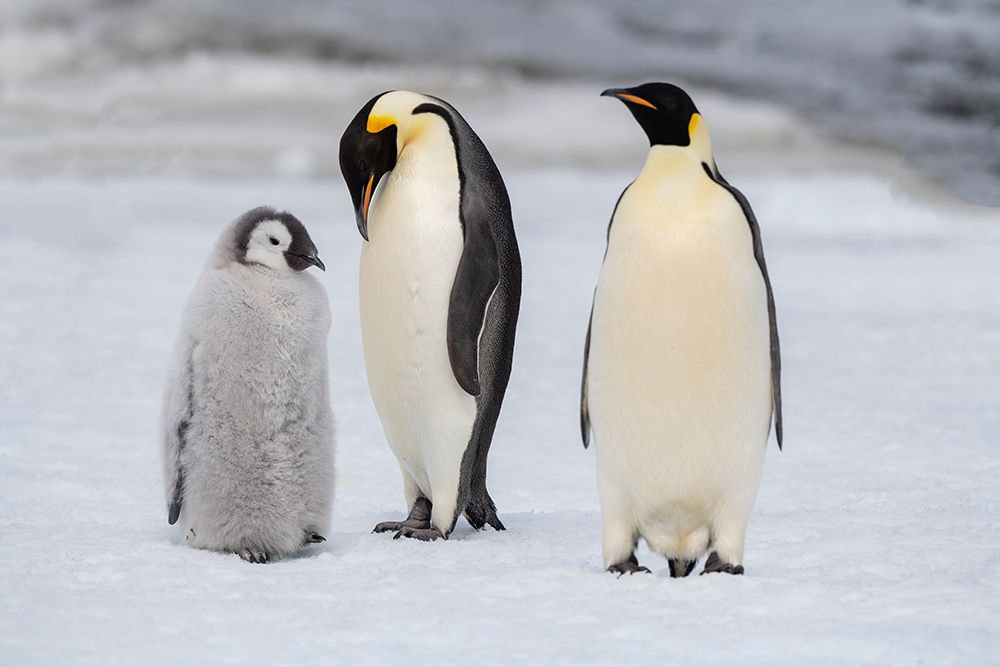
629, 566
715, 564
423, 534
418, 519
252, 555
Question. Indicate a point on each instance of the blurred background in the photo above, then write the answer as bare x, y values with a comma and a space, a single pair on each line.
260, 87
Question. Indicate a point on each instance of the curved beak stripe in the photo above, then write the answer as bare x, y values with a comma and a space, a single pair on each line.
368, 198
634, 99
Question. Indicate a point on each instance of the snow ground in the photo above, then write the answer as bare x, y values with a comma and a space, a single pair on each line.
875, 540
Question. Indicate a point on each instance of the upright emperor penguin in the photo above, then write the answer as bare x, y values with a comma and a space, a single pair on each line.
440, 291
682, 368
247, 427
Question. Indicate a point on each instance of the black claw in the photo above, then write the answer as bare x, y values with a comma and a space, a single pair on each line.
627, 566
715, 564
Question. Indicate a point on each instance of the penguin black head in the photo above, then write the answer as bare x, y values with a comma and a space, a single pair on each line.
275, 239
367, 152
664, 111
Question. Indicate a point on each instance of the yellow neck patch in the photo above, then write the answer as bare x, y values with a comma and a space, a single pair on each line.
378, 123
693, 123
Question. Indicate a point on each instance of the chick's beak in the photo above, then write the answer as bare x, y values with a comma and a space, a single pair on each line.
314, 260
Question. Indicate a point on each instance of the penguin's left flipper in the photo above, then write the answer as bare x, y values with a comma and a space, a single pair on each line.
476, 279
758, 253
715, 564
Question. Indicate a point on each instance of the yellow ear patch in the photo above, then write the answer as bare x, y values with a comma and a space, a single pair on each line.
693, 123
635, 99
378, 123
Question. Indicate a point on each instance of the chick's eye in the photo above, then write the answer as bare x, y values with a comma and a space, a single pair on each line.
273, 240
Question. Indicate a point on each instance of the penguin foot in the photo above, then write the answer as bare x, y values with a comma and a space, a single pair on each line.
251, 555
396, 526
630, 566
422, 534
681, 568
715, 564
418, 519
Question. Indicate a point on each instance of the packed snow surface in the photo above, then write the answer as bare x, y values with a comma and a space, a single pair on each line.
875, 537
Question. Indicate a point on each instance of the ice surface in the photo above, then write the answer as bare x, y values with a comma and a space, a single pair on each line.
875, 538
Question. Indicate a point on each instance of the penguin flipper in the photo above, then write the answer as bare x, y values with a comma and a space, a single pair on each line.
758, 253
584, 401
476, 280
584, 404
178, 412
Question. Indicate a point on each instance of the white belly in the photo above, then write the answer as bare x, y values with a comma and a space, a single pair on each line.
407, 271
679, 367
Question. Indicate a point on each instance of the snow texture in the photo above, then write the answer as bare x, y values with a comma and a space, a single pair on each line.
874, 541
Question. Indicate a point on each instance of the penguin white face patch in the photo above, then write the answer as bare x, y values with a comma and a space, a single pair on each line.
267, 244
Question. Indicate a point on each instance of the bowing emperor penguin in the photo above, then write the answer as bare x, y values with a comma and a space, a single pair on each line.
440, 286
247, 431
682, 367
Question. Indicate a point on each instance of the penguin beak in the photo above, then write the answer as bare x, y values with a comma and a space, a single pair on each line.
314, 260
625, 96
362, 211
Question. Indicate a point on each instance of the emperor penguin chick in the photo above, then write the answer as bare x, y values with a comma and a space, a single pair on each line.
682, 366
440, 291
247, 433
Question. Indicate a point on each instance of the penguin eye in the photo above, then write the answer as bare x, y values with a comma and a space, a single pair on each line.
363, 166
273, 240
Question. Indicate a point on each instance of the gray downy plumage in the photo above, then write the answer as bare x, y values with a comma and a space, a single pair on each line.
247, 431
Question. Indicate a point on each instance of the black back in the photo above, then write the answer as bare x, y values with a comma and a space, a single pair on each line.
484, 303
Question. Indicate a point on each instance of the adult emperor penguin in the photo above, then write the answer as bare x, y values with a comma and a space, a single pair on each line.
247, 431
682, 367
440, 291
